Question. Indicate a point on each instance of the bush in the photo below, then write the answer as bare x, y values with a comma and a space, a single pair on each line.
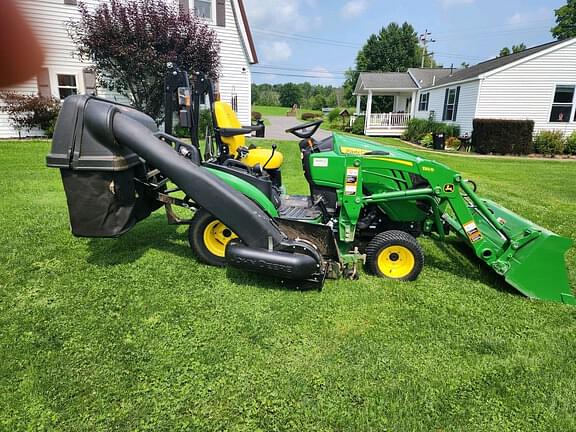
309, 116
358, 125
205, 122
571, 144
31, 111
419, 128
333, 115
550, 142
453, 143
256, 115
427, 140
503, 136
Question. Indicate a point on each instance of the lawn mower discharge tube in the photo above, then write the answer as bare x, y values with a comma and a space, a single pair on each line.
264, 248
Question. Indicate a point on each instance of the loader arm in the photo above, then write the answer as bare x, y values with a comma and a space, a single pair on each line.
530, 257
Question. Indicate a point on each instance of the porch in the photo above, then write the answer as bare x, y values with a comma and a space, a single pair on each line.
399, 90
393, 124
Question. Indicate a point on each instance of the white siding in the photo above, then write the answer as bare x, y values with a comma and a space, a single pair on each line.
49, 19
526, 90
235, 75
466, 104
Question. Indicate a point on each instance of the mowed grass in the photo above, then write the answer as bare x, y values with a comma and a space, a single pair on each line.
279, 111
135, 334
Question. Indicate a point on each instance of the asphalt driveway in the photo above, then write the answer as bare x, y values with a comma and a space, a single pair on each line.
275, 130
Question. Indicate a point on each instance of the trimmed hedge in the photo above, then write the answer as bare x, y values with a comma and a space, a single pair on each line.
309, 116
503, 136
419, 128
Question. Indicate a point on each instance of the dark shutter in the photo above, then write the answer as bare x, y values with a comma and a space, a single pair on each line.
445, 111
221, 13
43, 80
71, 2
184, 6
456, 103
89, 81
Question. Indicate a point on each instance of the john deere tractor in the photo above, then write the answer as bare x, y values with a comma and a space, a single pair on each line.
368, 203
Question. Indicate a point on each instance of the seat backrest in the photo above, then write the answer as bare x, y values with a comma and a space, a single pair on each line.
226, 118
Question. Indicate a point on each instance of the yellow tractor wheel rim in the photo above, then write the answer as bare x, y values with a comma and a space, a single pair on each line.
216, 237
396, 262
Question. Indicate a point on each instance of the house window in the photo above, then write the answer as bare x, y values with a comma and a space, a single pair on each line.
71, 2
451, 104
67, 86
203, 9
562, 105
423, 105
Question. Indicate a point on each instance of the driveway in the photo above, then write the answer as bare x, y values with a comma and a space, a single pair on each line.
275, 130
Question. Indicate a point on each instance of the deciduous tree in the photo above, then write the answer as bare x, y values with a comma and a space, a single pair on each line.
394, 49
130, 42
565, 21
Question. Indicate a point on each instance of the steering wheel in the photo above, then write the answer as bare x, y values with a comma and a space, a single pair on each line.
301, 130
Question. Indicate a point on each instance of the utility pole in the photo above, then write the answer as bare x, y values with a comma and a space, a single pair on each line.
425, 39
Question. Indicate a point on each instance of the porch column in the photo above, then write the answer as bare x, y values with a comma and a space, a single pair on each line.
368, 111
358, 99
413, 105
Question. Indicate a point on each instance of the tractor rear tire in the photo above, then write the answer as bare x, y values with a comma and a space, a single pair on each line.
208, 238
394, 255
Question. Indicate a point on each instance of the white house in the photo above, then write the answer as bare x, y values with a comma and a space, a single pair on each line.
536, 84
63, 74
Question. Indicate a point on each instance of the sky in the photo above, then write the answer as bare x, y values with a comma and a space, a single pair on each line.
317, 40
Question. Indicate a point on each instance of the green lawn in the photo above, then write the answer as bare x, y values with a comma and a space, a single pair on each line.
279, 111
134, 334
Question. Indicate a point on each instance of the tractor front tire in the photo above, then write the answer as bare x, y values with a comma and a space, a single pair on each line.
208, 238
394, 255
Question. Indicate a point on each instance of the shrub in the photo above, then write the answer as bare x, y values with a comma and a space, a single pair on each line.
205, 122
418, 128
333, 115
129, 42
550, 142
308, 116
503, 136
256, 115
31, 111
358, 125
427, 140
571, 144
453, 143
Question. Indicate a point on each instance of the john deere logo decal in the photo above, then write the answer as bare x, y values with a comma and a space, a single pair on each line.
449, 188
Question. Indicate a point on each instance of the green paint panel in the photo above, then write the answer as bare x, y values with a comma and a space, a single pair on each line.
247, 189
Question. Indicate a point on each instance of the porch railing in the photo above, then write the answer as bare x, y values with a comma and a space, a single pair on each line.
389, 120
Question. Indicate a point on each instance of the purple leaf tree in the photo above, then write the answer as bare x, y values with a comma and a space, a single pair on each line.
129, 43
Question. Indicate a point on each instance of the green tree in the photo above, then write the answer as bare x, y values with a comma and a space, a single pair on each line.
394, 49
565, 21
515, 49
130, 41
269, 98
290, 94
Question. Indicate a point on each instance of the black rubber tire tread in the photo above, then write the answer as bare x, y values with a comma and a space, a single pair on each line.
198, 224
391, 238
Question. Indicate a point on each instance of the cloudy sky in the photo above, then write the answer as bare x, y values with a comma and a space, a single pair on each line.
316, 40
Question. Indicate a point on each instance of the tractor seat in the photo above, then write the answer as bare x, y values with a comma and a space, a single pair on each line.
232, 134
